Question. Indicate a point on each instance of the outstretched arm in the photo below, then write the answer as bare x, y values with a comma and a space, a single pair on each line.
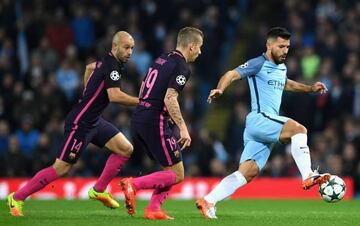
317, 87
88, 71
224, 82
172, 105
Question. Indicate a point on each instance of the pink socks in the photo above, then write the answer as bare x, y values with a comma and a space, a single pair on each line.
158, 197
157, 180
39, 181
111, 169
161, 181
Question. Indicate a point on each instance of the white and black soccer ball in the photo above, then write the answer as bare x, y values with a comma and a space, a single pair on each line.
333, 190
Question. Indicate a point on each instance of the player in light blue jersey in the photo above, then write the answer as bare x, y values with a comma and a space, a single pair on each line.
267, 80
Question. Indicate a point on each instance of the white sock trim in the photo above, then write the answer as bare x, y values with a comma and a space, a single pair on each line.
239, 176
299, 136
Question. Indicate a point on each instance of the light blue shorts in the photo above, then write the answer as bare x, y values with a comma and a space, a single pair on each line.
261, 132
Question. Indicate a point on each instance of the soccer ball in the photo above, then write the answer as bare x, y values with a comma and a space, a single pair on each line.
333, 190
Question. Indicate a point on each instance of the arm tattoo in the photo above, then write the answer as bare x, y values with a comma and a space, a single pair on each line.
173, 107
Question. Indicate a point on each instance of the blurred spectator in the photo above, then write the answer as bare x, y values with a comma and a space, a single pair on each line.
41, 155
83, 28
15, 163
277, 166
27, 136
68, 80
334, 164
356, 102
2, 109
141, 58
219, 150
58, 32
36, 72
235, 132
349, 156
50, 101
4, 137
122, 122
48, 57
310, 62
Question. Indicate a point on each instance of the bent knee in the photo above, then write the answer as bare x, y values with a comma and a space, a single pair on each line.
61, 167
128, 150
300, 129
251, 175
179, 177
294, 128
249, 170
62, 171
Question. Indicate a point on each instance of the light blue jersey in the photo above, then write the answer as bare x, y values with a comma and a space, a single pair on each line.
263, 124
266, 81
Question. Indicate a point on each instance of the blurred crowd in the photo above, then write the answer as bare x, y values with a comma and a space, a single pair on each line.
45, 45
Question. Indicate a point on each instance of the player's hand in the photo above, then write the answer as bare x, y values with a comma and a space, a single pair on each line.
213, 94
185, 139
319, 87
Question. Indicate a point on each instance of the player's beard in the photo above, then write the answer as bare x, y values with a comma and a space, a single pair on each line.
193, 58
278, 59
120, 56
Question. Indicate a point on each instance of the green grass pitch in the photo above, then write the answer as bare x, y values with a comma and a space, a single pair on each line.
230, 212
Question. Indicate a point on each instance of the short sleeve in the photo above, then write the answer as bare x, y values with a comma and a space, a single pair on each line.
251, 67
179, 77
112, 75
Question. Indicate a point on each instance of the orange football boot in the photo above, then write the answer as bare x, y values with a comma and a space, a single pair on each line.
314, 179
156, 215
206, 208
129, 190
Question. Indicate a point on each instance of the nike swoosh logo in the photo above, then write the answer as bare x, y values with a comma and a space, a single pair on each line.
303, 147
274, 68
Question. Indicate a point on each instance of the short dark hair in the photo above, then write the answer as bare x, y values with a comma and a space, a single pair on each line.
276, 32
187, 35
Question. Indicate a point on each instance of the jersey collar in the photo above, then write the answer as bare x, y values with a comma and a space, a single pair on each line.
266, 58
264, 55
177, 52
120, 63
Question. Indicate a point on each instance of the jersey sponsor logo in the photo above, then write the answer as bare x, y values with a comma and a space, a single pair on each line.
276, 84
72, 155
244, 65
181, 80
114, 75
